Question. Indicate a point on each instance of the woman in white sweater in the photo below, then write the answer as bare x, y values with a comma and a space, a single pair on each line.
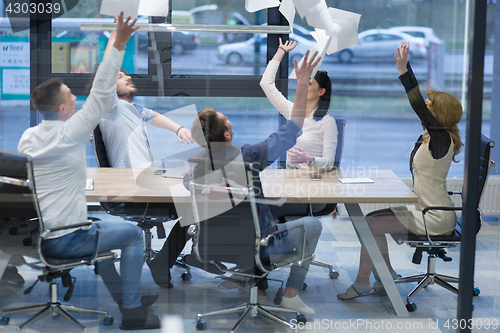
316, 146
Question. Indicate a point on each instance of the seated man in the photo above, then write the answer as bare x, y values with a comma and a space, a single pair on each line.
57, 146
123, 128
214, 131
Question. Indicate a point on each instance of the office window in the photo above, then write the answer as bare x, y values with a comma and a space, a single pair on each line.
14, 85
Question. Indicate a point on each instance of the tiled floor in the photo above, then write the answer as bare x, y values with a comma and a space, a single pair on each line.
338, 245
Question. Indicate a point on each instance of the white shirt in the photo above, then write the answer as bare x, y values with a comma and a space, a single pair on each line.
318, 139
125, 135
58, 151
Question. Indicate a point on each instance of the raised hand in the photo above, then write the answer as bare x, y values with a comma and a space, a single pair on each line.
305, 70
287, 46
402, 57
124, 30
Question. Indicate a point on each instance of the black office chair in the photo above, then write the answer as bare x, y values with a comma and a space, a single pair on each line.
233, 237
17, 190
146, 215
435, 245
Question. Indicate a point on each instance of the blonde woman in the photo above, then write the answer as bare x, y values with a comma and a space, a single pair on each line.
430, 161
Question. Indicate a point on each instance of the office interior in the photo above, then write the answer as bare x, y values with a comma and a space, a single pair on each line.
178, 74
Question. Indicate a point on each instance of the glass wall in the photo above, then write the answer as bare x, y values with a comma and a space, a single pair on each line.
180, 73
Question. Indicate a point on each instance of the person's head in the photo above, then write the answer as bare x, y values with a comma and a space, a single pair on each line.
320, 92
54, 100
125, 88
447, 109
211, 126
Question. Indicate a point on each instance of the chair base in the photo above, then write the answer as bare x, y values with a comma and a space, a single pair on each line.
333, 274
55, 307
252, 308
429, 278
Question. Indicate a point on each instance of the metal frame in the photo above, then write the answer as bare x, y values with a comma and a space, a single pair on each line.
252, 307
53, 269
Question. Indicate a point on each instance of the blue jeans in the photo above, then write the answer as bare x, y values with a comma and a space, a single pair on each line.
291, 242
124, 236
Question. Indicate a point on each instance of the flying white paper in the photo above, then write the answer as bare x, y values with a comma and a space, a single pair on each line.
287, 8
321, 47
113, 8
133, 8
153, 7
255, 5
346, 30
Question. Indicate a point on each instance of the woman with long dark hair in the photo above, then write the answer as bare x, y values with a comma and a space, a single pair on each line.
316, 146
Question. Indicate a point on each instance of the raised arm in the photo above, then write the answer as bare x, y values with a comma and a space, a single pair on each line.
84, 121
268, 85
303, 78
183, 134
440, 139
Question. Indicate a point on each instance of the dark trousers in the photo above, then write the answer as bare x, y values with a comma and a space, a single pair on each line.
172, 247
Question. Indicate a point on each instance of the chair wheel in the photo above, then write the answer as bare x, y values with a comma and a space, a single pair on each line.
27, 241
334, 275
411, 307
4, 321
108, 321
304, 286
186, 276
476, 291
301, 319
13, 231
201, 325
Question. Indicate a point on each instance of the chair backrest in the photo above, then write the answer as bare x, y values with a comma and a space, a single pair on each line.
484, 163
484, 170
227, 228
17, 188
100, 149
340, 142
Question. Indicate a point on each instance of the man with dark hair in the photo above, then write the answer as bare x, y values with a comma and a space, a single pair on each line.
214, 131
123, 124
57, 146
124, 132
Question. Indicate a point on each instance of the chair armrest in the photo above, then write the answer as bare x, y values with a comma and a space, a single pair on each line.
265, 241
426, 209
88, 224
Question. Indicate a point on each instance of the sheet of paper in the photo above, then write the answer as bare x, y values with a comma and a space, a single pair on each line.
89, 185
113, 7
287, 9
255, 5
346, 27
153, 7
316, 13
321, 47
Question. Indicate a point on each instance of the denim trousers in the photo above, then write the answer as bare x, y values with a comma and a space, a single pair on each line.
291, 242
123, 236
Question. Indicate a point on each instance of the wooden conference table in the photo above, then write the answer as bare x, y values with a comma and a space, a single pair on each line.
134, 185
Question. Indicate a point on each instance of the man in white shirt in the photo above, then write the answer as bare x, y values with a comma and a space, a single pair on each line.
57, 146
124, 132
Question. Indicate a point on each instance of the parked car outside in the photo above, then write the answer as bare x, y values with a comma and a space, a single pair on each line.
243, 52
379, 44
422, 32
